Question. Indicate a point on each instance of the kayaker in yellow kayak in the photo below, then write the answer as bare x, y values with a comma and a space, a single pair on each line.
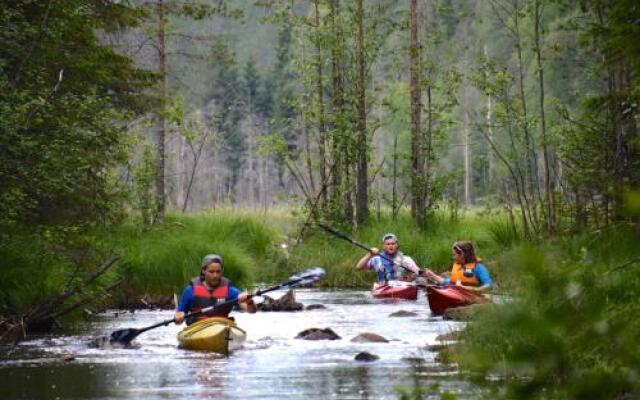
467, 269
390, 263
211, 288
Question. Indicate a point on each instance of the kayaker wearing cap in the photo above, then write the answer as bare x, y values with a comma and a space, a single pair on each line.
467, 269
211, 288
390, 265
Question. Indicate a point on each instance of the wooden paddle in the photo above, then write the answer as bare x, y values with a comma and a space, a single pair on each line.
125, 336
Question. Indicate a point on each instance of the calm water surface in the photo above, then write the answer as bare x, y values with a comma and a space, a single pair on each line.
270, 365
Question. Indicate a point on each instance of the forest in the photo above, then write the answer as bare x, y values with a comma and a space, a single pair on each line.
137, 135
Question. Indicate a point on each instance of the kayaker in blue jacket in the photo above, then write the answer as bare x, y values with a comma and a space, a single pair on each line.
211, 288
467, 270
390, 263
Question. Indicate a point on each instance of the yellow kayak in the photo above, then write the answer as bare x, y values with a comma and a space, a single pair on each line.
216, 334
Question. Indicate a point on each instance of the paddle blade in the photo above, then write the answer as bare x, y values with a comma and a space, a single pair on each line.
305, 278
333, 232
124, 336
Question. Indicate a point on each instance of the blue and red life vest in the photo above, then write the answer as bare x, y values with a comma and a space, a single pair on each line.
204, 297
390, 271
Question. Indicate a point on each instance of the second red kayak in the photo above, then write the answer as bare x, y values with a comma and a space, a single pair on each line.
441, 298
395, 290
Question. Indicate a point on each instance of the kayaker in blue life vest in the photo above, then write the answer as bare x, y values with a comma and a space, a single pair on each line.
392, 265
467, 269
211, 288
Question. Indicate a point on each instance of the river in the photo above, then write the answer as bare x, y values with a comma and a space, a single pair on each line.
270, 365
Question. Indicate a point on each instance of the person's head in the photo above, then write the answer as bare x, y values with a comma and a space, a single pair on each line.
211, 269
390, 243
463, 252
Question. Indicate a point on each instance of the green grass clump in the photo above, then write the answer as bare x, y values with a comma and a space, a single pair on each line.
162, 259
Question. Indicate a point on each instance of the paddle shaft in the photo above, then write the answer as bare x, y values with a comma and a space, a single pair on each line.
258, 293
342, 236
210, 308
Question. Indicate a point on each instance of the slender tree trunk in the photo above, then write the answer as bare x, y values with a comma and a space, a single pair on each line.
308, 156
618, 86
362, 178
531, 169
489, 119
160, 119
429, 150
394, 182
417, 148
550, 220
196, 159
467, 159
322, 140
341, 147
336, 105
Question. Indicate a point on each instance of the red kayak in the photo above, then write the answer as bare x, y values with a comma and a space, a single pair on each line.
442, 298
395, 290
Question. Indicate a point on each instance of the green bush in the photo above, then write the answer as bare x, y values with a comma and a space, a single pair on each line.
570, 331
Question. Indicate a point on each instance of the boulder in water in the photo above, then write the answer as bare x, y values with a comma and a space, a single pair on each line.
318, 334
366, 356
315, 307
403, 313
368, 337
285, 303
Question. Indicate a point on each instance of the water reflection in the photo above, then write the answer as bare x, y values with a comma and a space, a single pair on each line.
271, 365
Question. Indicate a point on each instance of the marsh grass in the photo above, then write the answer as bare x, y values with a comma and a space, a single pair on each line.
429, 248
257, 247
164, 258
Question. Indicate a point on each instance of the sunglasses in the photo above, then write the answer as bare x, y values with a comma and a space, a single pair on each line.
457, 249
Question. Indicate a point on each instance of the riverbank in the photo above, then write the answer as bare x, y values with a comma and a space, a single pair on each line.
573, 293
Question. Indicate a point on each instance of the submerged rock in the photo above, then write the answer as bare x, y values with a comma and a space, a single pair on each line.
315, 307
368, 337
366, 356
318, 334
403, 313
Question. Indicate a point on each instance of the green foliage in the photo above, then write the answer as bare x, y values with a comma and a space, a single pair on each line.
65, 98
155, 260
504, 233
162, 259
143, 190
38, 268
63, 101
568, 331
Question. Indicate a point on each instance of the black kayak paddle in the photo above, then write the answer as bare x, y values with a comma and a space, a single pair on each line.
125, 336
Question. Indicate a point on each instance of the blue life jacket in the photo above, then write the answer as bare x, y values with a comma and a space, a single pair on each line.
389, 271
